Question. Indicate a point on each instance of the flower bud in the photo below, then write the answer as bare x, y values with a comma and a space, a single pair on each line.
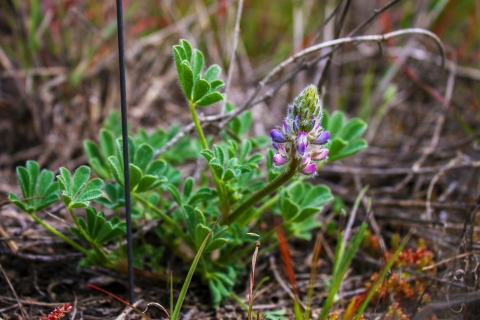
309, 169
277, 136
279, 160
302, 142
322, 138
319, 155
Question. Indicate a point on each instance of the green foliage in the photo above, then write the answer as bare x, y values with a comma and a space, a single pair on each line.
345, 135
38, 188
77, 191
98, 229
199, 90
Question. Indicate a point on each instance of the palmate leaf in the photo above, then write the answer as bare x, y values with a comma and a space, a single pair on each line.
199, 90
98, 229
38, 188
76, 191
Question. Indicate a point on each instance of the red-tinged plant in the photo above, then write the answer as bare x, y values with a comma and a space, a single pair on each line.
58, 313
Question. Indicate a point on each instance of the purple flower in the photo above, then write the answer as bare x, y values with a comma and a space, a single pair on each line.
320, 154
277, 136
296, 123
282, 151
285, 127
309, 169
322, 138
302, 142
279, 160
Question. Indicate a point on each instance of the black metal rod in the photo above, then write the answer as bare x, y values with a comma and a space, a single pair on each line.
123, 102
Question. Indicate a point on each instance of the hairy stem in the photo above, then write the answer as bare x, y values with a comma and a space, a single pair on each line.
276, 183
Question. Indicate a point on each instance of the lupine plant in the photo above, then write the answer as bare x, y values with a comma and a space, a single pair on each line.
239, 189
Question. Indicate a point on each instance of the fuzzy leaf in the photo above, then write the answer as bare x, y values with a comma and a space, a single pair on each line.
148, 183
209, 99
187, 187
107, 143
135, 176
202, 87
212, 73
207, 154
289, 209
175, 194
202, 194
156, 167
231, 173
143, 156
350, 149
188, 49
80, 177
305, 214
335, 123
335, 148
219, 154
215, 85
216, 167
186, 79
353, 129
201, 233
245, 149
317, 196
197, 63
179, 55
216, 244
116, 169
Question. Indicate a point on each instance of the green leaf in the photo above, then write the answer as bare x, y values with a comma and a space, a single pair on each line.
353, 129
156, 167
202, 87
201, 233
216, 244
289, 209
207, 154
107, 143
80, 177
186, 80
215, 85
187, 187
212, 73
219, 154
135, 176
188, 49
209, 99
116, 169
179, 55
202, 194
197, 63
335, 147
143, 156
77, 234
216, 167
350, 149
16, 201
175, 194
245, 149
317, 196
305, 214
148, 183
231, 173
92, 151
335, 123
91, 191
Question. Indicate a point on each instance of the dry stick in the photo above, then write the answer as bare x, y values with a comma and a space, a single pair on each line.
282, 283
232, 55
20, 306
463, 255
448, 98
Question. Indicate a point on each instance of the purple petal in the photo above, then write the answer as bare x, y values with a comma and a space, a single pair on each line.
322, 138
319, 155
285, 127
296, 123
306, 159
278, 160
309, 169
277, 136
282, 151
302, 142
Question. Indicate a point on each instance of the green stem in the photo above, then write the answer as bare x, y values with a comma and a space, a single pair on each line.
58, 234
219, 185
276, 183
98, 250
162, 215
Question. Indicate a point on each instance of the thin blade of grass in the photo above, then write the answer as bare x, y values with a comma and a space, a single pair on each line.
188, 279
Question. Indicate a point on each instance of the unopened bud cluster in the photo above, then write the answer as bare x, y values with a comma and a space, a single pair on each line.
301, 135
